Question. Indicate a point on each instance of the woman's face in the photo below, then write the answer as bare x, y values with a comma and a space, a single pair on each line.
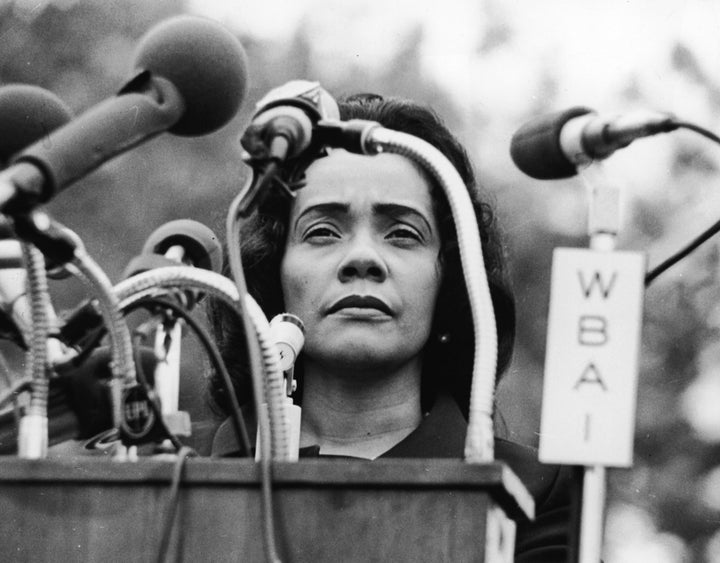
361, 266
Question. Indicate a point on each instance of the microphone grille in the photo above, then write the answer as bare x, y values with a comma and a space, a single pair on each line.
201, 245
27, 114
205, 62
535, 147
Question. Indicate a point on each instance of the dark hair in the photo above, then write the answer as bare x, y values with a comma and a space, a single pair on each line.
447, 365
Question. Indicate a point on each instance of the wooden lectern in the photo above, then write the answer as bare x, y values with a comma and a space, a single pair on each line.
94, 509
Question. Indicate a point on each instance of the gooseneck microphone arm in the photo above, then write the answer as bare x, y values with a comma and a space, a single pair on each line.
33, 428
367, 137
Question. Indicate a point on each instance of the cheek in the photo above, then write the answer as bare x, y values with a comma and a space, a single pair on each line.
424, 294
295, 281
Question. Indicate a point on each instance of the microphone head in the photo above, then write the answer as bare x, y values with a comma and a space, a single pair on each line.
27, 114
202, 248
288, 333
535, 147
205, 62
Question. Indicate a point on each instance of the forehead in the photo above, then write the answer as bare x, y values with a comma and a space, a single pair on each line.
354, 179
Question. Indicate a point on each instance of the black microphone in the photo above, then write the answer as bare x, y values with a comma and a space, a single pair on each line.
28, 114
181, 241
191, 80
552, 146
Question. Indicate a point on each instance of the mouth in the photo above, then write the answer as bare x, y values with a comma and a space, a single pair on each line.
360, 302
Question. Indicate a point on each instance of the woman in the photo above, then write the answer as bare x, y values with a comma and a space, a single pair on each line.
366, 255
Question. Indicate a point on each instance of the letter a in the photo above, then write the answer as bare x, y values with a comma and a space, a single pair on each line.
591, 375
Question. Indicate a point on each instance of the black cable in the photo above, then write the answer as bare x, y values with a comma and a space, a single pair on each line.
173, 501
682, 253
215, 358
705, 235
233, 244
697, 129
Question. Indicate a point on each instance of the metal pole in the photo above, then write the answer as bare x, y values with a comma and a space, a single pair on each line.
603, 226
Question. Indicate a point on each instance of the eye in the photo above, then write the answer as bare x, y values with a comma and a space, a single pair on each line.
404, 233
321, 233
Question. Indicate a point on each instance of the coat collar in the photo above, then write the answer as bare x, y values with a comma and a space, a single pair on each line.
441, 434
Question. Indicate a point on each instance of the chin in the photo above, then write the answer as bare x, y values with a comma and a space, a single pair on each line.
377, 353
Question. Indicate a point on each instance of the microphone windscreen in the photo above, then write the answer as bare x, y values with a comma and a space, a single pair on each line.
27, 114
205, 62
201, 245
535, 147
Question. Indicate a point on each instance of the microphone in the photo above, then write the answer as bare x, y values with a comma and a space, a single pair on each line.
283, 123
28, 114
282, 129
288, 333
79, 401
183, 240
552, 146
180, 241
191, 80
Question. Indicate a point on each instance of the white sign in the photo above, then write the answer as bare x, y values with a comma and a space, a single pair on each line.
593, 341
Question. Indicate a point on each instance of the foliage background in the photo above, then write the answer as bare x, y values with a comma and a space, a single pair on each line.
486, 66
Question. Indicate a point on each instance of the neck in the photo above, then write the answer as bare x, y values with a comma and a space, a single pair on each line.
356, 413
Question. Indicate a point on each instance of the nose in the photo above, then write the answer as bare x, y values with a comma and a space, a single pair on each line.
362, 261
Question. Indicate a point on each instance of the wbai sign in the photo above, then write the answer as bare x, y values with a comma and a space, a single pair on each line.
591, 362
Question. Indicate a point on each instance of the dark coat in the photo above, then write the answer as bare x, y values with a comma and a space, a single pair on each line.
441, 434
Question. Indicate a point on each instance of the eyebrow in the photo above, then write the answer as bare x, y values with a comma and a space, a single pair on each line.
389, 209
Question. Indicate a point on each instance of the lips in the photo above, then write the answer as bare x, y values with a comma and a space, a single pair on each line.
360, 302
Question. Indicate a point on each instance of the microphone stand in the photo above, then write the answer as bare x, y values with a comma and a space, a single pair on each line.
593, 342
168, 338
603, 228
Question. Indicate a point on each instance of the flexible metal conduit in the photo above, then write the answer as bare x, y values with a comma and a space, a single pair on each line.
479, 446
122, 365
32, 440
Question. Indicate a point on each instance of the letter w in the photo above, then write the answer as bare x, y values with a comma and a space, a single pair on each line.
596, 280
